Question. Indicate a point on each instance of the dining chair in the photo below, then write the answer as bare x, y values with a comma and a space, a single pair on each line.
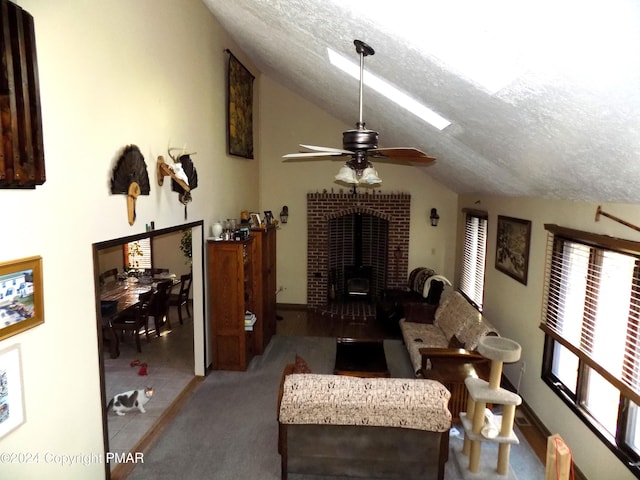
182, 296
108, 274
135, 318
159, 305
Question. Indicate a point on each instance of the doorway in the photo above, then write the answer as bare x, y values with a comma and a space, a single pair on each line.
174, 356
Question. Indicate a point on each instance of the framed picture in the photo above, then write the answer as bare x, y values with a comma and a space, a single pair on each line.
268, 217
239, 109
255, 220
21, 302
11, 392
512, 248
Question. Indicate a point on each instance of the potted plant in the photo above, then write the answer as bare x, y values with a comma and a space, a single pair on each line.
185, 245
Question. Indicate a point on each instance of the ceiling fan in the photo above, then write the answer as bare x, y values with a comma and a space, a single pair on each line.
361, 144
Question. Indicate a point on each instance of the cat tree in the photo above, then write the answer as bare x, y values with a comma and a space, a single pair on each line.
479, 424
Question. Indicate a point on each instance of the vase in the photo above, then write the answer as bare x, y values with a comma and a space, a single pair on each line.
216, 230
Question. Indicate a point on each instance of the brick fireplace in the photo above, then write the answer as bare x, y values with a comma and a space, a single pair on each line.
380, 221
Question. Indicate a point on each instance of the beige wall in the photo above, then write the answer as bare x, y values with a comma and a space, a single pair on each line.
287, 120
148, 72
516, 310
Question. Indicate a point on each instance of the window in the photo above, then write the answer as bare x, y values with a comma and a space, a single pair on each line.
591, 318
474, 249
138, 254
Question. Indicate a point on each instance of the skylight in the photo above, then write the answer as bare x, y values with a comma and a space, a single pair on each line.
389, 91
493, 43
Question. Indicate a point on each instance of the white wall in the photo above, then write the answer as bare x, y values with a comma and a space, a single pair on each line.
150, 73
516, 310
287, 120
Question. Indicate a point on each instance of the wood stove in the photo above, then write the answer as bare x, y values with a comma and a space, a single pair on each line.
357, 282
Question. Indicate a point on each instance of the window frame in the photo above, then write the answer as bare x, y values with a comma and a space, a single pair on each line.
469, 267
616, 442
146, 246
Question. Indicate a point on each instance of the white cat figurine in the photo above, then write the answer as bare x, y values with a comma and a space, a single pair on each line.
127, 401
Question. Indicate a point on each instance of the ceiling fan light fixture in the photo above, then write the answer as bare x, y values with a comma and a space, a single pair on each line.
370, 176
346, 175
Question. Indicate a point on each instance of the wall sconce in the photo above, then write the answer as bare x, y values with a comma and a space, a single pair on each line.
284, 214
434, 217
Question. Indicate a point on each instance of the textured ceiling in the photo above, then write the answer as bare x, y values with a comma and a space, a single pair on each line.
562, 121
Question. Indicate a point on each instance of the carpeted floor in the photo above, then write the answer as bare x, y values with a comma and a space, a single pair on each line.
228, 428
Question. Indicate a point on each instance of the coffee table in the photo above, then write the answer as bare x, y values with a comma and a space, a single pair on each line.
360, 358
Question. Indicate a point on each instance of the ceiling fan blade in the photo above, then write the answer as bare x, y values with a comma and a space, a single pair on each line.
407, 154
312, 154
326, 149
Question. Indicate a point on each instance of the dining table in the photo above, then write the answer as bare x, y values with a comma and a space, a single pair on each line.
122, 294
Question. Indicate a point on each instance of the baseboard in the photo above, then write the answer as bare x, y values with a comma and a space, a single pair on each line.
537, 423
291, 306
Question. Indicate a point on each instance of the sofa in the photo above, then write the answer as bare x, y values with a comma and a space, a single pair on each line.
421, 296
362, 427
444, 347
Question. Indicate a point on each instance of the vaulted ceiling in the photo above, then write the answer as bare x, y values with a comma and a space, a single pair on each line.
543, 96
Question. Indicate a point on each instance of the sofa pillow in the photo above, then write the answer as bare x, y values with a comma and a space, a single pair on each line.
474, 331
300, 365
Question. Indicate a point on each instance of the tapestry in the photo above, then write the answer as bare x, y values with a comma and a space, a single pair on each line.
239, 109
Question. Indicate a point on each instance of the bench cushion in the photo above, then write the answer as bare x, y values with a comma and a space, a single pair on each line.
454, 313
383, 402
420, 335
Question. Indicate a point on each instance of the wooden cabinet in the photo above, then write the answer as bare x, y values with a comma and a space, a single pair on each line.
231, 293
264, 254
242, 277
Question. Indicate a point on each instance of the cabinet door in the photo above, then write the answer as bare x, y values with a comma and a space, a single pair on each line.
230, 288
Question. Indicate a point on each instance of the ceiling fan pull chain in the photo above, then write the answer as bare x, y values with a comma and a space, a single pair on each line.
185, 211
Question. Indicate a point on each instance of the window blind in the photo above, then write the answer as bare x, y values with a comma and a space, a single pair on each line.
474, 250
591, 306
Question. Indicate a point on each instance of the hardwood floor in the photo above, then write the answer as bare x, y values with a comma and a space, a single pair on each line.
297, 321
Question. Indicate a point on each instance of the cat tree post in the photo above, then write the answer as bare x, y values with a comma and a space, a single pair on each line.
499, 350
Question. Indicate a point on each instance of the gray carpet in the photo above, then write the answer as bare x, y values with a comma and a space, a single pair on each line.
228, 428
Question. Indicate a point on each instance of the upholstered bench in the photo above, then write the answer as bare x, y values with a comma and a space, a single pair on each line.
363, 427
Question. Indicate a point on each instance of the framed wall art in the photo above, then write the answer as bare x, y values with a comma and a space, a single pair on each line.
21, 300
512, 247
11, 391
239, 109
255, 220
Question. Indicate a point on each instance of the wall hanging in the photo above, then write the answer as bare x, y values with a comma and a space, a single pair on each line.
183, 173
512, 250
130, 178
239, 108
21, 151
11, 393
22, 304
